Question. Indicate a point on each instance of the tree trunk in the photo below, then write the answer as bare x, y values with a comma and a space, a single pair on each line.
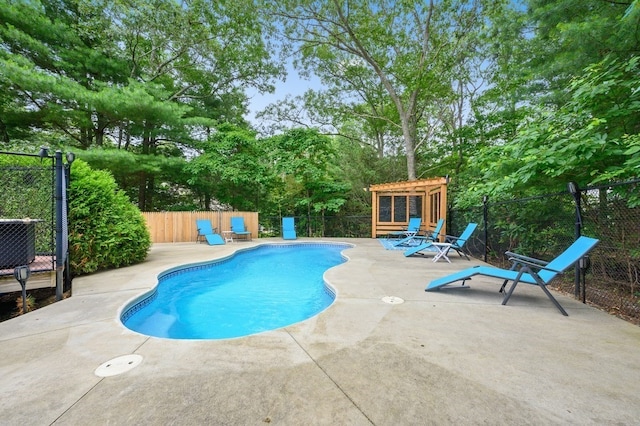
101, 125
4, 133
151, 184
308, 216
120, 136
409, 137
142, 184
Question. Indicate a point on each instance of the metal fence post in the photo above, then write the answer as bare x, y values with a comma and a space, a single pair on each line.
59, 209
574, 190
485, 218
70, 156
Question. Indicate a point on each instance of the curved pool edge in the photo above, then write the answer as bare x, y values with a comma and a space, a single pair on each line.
136, 303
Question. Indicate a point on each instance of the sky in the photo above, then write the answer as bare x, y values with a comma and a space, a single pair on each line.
294, 85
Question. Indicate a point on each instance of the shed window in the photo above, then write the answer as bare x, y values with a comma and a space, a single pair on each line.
435, 207
399, 209
384, 208
415, 206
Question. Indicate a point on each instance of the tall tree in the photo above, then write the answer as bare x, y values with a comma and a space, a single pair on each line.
408, 48
147, 76
304, 161
231, 169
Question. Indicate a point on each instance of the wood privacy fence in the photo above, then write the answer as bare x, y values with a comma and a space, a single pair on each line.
180, 227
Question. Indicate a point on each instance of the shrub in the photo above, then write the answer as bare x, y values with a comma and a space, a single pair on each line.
105, 229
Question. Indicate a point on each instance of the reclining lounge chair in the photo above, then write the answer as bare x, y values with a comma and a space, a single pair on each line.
525, 269
455, 243
288, 228
413, 227
430, 237
238, 228
207, 232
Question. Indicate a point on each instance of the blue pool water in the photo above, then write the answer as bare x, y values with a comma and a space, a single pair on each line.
265, 288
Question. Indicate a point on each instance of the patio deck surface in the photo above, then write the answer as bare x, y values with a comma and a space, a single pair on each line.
448, 357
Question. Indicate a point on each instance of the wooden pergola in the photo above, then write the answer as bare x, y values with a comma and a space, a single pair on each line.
394, 203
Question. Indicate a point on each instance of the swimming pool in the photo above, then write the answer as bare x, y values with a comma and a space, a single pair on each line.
263, 288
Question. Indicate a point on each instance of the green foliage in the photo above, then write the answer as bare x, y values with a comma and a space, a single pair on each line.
153, 78
389, 64
305, 162
147, 69
105, 229
172, 192
590, 139
570, 35
539, 226
231, 168
414, 89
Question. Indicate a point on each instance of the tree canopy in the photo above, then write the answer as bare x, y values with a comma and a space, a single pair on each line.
508, 98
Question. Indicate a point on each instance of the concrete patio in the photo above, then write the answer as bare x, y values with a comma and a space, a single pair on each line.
448, 357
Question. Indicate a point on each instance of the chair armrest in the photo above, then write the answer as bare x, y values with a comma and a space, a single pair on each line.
530, 261
516, 257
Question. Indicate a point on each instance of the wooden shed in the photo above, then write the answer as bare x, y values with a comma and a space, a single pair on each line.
394, 203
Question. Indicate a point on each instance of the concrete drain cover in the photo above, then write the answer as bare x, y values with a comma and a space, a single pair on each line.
118, 365
392, 300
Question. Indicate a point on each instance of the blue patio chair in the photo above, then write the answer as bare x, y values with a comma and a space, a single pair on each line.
408, 241
288, 228
238, 228
452, 242
436, 231
207, 232
524, 270
413, 227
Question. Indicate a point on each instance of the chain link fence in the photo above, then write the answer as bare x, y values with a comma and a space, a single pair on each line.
544, 226
319, 226
33, 218
612, 214
27, 218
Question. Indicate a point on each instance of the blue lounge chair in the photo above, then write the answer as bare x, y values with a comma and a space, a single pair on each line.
288, 228
207, 232
456, 243
408, 241
525, 269
238, 228
413, 227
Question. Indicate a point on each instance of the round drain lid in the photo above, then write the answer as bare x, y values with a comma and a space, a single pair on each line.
118, 365
392, 300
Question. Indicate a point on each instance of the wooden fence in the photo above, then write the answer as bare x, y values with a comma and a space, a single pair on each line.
179, 227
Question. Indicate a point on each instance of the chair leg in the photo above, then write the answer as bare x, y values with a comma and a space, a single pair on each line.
504, 284
460, 251
540, 284
508, 294
513, 286
553, 299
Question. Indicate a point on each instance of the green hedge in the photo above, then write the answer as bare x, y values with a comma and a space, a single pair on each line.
105, 229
